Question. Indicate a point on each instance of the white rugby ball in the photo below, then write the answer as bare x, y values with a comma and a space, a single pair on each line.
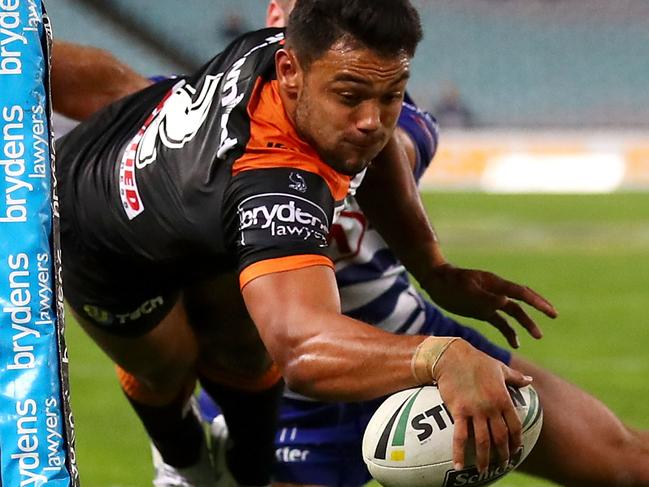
409, 441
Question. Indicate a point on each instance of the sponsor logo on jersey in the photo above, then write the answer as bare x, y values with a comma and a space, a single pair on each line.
105, 317
131, 200
471, 477
286, 454
284, 216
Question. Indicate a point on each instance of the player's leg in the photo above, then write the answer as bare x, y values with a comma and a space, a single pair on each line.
582, 442
156, 373
320, 443
316, 443
237, 372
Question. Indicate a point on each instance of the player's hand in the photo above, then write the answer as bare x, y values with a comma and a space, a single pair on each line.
473, 386
483, 295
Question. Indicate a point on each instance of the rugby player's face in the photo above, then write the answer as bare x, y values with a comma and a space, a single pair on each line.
349, 104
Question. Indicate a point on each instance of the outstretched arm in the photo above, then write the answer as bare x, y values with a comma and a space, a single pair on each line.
390, 198
326, 355
86, 79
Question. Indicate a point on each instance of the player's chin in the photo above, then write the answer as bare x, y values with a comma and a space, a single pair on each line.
357, 159
353, 166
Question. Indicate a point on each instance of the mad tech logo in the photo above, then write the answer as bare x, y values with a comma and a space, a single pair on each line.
396, 428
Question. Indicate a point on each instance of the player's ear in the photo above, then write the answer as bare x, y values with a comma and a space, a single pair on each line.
289, 72
275, 15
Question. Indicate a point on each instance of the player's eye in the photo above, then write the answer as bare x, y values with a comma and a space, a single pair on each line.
390, 98
349, 99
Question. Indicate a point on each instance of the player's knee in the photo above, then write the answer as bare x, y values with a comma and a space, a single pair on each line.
166, 375
250, 359
633, 448
151, 389
166, 383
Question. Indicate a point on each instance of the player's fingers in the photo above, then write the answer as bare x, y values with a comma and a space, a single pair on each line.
514, 310
514, 427
527, 295
500, 437
482, 443
485, 303
515, 378
508, 332
459, 441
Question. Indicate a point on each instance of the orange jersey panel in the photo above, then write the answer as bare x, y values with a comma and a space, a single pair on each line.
281, 264
274, 142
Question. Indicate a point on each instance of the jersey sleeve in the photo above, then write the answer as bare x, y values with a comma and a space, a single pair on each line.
423, 129
281, 219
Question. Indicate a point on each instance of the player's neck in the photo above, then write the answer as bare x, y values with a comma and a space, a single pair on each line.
289, 102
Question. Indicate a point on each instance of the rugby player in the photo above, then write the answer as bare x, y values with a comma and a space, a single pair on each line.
239, 169
320, 443
585, 430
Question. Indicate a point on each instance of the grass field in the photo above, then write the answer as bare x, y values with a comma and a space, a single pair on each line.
588, 254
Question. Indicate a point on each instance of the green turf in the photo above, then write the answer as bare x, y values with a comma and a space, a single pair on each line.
588, 254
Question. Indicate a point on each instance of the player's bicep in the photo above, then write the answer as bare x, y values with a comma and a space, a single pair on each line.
288, 307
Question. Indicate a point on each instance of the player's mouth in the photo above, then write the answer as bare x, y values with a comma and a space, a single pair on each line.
365, 144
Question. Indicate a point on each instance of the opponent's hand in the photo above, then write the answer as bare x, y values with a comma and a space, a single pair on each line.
480, 294
472, 385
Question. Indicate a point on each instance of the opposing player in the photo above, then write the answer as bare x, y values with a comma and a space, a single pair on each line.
241, 166
319, 443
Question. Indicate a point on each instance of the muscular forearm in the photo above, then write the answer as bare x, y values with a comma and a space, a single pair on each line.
85, 79
350, 361
390, 198
321, 352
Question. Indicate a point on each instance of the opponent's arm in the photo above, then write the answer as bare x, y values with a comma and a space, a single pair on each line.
85, 79
329, 356
390, 198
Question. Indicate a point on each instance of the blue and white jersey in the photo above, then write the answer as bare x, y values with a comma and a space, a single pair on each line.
374, 285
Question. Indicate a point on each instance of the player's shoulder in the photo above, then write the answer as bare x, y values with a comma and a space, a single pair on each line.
259, 36
422, 128
273, 142
419, 121
253, 48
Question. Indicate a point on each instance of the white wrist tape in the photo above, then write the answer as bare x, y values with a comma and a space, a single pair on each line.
427, 356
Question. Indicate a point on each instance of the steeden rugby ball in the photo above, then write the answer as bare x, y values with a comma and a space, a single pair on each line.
408, 441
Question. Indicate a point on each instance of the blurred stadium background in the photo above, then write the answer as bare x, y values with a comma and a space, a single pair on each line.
541, 176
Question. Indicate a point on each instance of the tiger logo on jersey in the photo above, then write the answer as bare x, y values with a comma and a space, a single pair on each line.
181, 116
176, 121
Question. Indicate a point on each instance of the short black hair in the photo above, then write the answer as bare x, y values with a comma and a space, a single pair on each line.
388, 27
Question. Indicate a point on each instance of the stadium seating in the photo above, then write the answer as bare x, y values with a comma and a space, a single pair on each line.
539, 63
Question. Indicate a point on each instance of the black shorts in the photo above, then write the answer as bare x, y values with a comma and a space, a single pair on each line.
120, 297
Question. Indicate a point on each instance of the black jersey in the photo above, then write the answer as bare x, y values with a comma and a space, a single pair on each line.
192, 176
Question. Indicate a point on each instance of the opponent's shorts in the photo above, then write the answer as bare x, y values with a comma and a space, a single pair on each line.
320, 443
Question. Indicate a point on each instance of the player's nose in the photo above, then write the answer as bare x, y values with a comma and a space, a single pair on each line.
368, 117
